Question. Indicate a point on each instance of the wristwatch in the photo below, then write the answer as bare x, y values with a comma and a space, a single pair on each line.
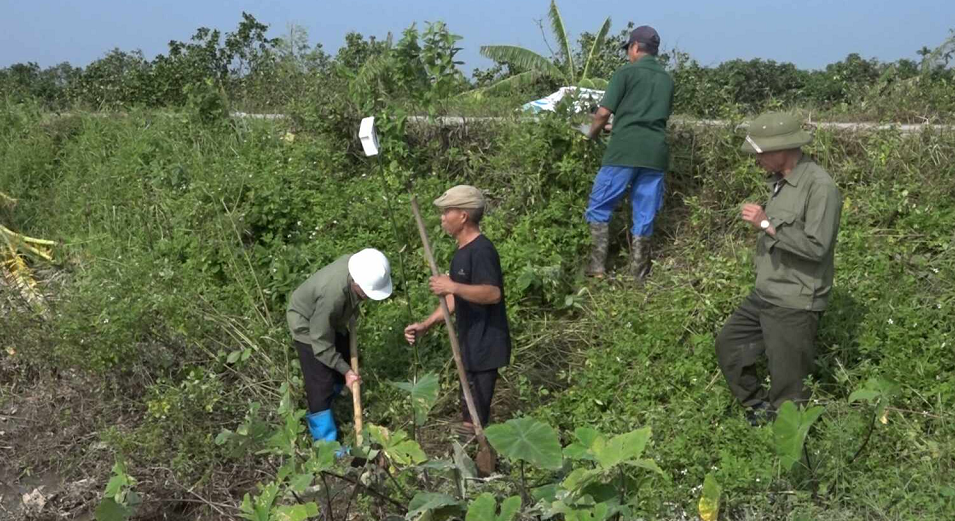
764, 224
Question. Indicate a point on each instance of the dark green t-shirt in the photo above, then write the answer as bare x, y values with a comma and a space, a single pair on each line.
640, 95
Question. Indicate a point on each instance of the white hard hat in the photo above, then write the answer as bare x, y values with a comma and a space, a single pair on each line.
370, 269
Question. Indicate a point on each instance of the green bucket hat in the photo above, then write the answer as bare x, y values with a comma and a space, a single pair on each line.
775, 131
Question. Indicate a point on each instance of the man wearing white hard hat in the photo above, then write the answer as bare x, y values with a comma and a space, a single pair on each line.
318, 315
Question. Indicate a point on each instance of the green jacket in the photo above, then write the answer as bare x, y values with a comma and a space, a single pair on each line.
318, 308
640, 96
795, 268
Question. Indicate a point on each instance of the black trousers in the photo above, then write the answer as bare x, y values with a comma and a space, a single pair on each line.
321, 381
785, 336
482, 389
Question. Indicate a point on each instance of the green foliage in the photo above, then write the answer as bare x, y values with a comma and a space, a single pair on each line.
431, 506
424, 393
397, 446
183, 239
119, 499
485, 508
526, 439
790, 429
532, 66
876, 391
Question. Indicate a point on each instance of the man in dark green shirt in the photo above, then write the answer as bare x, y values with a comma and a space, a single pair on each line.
794, 270
640, 97
321, 316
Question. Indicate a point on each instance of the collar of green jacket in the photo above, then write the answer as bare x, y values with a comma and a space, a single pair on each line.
350, 294
793, 178
648, 62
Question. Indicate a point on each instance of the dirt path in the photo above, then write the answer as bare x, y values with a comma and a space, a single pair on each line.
38, 477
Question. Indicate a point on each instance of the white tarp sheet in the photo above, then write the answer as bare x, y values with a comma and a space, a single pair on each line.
587, 96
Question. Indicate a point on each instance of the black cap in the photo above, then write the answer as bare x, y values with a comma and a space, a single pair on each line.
646, 36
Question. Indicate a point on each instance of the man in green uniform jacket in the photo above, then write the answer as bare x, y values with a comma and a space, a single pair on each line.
794, 270
319, 313
640, 97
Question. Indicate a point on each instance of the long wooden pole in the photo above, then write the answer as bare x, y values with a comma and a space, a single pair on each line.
452, 334
356, 389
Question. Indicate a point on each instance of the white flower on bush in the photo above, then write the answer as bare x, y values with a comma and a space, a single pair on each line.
891, 321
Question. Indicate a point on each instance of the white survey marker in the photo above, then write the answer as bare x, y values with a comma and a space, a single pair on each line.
368, 136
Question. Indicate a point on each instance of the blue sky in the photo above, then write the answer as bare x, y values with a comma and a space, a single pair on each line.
810, 33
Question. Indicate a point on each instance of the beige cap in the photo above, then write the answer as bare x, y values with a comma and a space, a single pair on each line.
461, 196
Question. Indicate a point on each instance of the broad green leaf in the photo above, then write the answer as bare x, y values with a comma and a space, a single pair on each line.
586, 436
709, 505
223, 437
109, 510
285, 470
322, 456
790, 430
621, 448
581, 449
233, 357
424, 394
527, 439
119, 467
426, 502
259, 507
563, 40
875, 389
546, 493
576, 451
595, 49
246, 506
397, 446
522, 58
115, 485
647, 464
510, 508
865, 395
301, 481
580, 478
483, 508
295, 513
132, 499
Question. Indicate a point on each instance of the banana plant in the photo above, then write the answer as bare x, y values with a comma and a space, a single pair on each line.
13, 267
560, 67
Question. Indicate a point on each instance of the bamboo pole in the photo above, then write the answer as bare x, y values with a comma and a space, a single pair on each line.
356, 389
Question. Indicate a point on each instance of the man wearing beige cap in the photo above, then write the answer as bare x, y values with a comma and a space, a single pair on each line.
475, 294
797, 232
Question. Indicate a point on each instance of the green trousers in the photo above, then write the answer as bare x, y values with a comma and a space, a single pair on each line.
785, 336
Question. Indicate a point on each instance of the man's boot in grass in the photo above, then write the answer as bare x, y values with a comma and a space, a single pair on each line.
600, 242
640, 257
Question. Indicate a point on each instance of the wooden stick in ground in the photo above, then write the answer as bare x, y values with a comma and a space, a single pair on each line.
356, 389
452, 335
